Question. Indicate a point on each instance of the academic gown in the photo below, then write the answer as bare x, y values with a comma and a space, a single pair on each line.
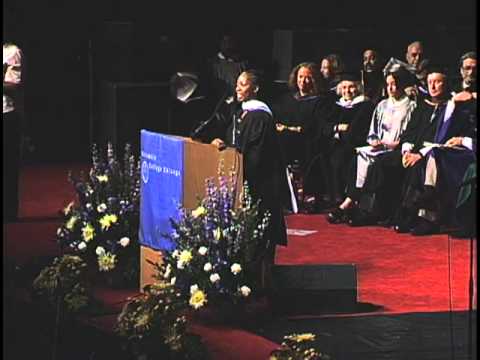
306, 112
451, 164
340, 146
253, 133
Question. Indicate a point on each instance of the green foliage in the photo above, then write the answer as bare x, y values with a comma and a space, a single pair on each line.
298, 347
153, 324
64, 280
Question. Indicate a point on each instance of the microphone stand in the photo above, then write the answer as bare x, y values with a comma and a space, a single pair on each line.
195, 133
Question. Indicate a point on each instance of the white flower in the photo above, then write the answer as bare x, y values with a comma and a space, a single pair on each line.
173, 280
245, 290
101, 208
88, 206
124, 241
180, 265
214, 278
175, 253
82, 246
99, 251
207, 267
235, 268
59, 231
202, 250
193, 288
168, 270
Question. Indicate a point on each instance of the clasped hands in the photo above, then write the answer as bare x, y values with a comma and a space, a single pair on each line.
281, 127
454, 141
409, 159
380, 145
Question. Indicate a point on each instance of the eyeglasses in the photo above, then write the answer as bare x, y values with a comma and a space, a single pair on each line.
466, 68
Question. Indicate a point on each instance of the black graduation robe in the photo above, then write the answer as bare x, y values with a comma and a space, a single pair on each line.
339, 150
306, 112
253, 133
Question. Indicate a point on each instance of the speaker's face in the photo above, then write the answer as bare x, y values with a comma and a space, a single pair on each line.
245, 89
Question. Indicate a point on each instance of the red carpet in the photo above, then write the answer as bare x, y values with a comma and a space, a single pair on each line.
45, 189
398, 273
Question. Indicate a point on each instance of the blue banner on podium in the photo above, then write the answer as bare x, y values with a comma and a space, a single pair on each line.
161, 189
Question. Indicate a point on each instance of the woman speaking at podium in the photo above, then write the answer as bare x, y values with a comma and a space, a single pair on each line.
251, 130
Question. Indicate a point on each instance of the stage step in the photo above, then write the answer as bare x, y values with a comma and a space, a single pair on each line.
312, 289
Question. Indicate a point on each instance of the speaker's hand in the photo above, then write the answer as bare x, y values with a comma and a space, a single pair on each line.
218, 143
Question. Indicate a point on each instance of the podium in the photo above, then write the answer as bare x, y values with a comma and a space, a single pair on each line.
173, 174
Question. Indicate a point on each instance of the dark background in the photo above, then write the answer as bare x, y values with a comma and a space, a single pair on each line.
73, 48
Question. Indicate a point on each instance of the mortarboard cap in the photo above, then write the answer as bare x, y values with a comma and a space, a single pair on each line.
349, 76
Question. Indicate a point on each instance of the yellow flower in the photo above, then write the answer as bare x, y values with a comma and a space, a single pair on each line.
71, 222
88, 232
142, 321
106, 261
198, 299
304, 337
217, 233
107, 220
102, 178
69, 207
185, 256
199, 211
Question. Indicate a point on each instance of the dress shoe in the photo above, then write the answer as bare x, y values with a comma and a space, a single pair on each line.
338, 216
405, 223
385, 222
361, 218
425, 227
401, 228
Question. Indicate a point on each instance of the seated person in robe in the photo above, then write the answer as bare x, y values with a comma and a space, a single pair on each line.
331, 67
298, 115
435, 159
389, 121
372, 76
345, 129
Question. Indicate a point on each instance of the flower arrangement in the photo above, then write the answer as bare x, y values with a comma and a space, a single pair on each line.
65, 280
216, 246
153, 325
102, 225
297, 347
